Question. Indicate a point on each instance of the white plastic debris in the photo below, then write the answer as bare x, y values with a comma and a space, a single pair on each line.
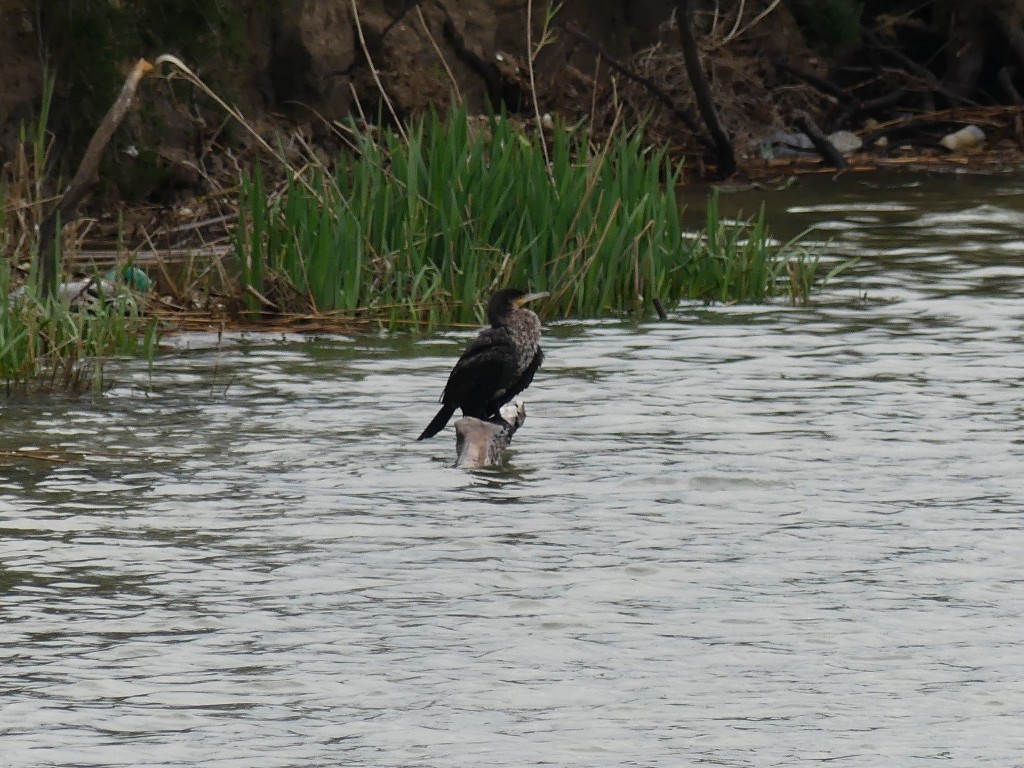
968, 137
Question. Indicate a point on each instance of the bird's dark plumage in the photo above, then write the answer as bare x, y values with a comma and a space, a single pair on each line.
497, 365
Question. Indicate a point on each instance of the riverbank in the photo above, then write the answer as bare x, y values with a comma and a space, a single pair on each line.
248, 219
189, 250
297, 73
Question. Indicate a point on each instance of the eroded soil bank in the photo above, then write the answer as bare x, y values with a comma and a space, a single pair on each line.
295, 69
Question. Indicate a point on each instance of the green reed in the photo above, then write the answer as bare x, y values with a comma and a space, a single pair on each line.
421, 230
47, 343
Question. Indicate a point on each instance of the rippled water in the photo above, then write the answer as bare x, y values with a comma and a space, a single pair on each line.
748, 536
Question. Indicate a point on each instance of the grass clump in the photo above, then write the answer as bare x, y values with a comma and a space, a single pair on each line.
53, 343
420, 229
740, 261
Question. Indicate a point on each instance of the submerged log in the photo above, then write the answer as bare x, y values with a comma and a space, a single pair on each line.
480, 443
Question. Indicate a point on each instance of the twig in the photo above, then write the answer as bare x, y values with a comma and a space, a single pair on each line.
263, 299
981, 116
373, 72
222, 219
531, 55
593, 94
440, 55
33, 455
409, 4
756, 20
736, 23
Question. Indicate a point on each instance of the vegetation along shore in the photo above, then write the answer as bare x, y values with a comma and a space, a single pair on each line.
357, 187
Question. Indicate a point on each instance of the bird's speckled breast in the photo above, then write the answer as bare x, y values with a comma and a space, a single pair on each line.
524, 330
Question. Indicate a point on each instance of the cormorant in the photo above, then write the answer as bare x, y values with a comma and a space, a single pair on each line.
497, 365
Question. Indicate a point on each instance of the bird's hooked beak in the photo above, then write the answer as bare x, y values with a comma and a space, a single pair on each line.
530, 297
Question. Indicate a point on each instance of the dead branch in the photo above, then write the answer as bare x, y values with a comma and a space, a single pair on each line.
825, 148
702, 91
84, 178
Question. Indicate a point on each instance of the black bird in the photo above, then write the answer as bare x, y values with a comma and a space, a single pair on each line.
497, 365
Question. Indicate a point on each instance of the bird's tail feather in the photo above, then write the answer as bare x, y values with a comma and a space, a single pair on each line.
437, 423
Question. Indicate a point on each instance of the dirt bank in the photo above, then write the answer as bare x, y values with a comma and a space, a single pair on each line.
294, 69
297, 67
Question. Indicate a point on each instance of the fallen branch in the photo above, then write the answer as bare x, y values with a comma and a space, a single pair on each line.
702, 91
34, 456
870, 106
84, 178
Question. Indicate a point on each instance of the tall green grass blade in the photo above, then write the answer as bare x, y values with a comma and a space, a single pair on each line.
434, 221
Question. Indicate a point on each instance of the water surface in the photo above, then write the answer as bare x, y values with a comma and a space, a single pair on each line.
747, 536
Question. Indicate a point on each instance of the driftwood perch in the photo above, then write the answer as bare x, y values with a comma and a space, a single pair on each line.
480, 443
84, 178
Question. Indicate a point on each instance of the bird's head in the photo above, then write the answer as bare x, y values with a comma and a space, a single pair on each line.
506, 301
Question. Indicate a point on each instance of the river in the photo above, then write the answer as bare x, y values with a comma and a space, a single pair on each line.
744, 536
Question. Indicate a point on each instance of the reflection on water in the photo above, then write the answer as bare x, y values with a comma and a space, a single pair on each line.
746, 536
